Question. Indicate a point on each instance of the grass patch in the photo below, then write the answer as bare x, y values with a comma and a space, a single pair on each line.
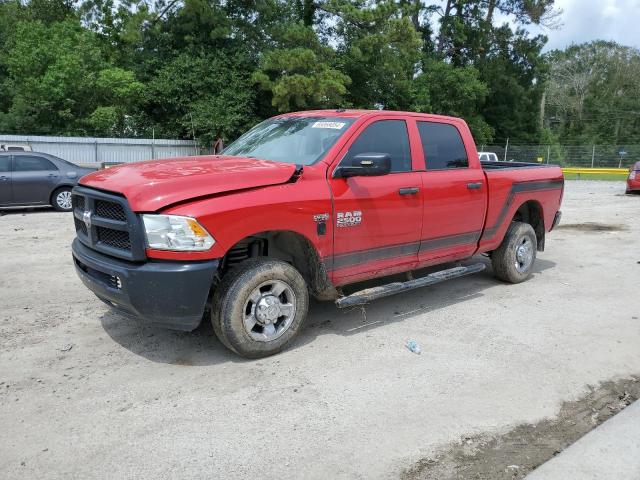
596, 176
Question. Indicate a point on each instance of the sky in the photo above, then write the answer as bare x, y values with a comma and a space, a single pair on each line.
586, 20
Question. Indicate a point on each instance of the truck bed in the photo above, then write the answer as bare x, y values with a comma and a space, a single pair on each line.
512, 184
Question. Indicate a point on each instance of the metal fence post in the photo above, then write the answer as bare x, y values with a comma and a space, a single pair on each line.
593, 155
548, 152
506, 149
96, 151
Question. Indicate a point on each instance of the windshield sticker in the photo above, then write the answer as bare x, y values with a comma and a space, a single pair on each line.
334, 125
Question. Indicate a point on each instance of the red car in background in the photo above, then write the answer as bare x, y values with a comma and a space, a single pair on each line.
633, 181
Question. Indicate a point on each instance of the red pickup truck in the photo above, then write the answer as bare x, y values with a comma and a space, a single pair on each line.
301, 204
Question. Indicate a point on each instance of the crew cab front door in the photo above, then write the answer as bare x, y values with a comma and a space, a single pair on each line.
377, 219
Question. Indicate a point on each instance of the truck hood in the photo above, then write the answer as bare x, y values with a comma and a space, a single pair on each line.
152, 185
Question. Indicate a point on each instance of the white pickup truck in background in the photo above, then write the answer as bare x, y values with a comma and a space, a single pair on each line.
14, 148
488, 157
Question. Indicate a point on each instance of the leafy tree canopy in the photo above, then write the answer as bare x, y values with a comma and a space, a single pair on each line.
593, 94
210, 68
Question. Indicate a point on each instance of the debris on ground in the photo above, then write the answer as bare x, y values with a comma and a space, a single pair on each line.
67, 347
414, 347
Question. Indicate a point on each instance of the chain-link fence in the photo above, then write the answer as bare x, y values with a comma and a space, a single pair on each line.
584, 156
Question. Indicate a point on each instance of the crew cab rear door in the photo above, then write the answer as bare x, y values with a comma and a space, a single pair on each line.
455, 191
377, 219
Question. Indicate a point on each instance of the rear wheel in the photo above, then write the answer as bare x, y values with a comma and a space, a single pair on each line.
61, 199
513, 260
259, 307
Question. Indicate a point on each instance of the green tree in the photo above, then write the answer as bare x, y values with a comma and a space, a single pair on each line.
57, 77
210, 96
119, 95
51, 72
299, 74
380, 51
514, 71
210, 68
593, 94
444, 89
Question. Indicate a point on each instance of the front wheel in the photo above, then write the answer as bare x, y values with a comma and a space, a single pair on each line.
259, 307
61, 199
513, 260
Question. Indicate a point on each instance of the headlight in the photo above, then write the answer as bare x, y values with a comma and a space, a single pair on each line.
173, 232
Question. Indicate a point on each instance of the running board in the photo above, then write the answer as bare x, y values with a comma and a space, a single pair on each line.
365, 296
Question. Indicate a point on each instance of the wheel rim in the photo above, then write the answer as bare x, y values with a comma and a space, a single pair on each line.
524, 254
269, 311
63, 199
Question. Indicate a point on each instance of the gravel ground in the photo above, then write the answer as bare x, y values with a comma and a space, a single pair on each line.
85, 393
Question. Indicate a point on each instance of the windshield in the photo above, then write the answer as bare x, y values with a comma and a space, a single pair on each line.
300, 140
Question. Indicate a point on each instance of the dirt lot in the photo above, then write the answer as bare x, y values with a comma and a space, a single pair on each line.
85, 393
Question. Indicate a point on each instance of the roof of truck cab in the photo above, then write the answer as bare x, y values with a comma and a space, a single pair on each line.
358, 113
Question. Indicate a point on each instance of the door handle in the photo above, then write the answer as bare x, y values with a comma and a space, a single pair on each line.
474, 186
408, 191
52, 175
3, 178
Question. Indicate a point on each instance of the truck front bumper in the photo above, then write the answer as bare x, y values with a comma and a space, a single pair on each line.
170, 294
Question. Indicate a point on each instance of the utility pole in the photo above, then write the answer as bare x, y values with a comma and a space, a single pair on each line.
543, 101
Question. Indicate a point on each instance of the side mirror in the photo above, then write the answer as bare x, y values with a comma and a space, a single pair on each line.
365, 165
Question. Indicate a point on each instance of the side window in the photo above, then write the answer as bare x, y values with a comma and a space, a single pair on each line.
384, 136
5, 163
28, 163
442, 145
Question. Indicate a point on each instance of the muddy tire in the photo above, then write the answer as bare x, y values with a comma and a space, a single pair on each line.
513, 260
259, 307
61, 199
